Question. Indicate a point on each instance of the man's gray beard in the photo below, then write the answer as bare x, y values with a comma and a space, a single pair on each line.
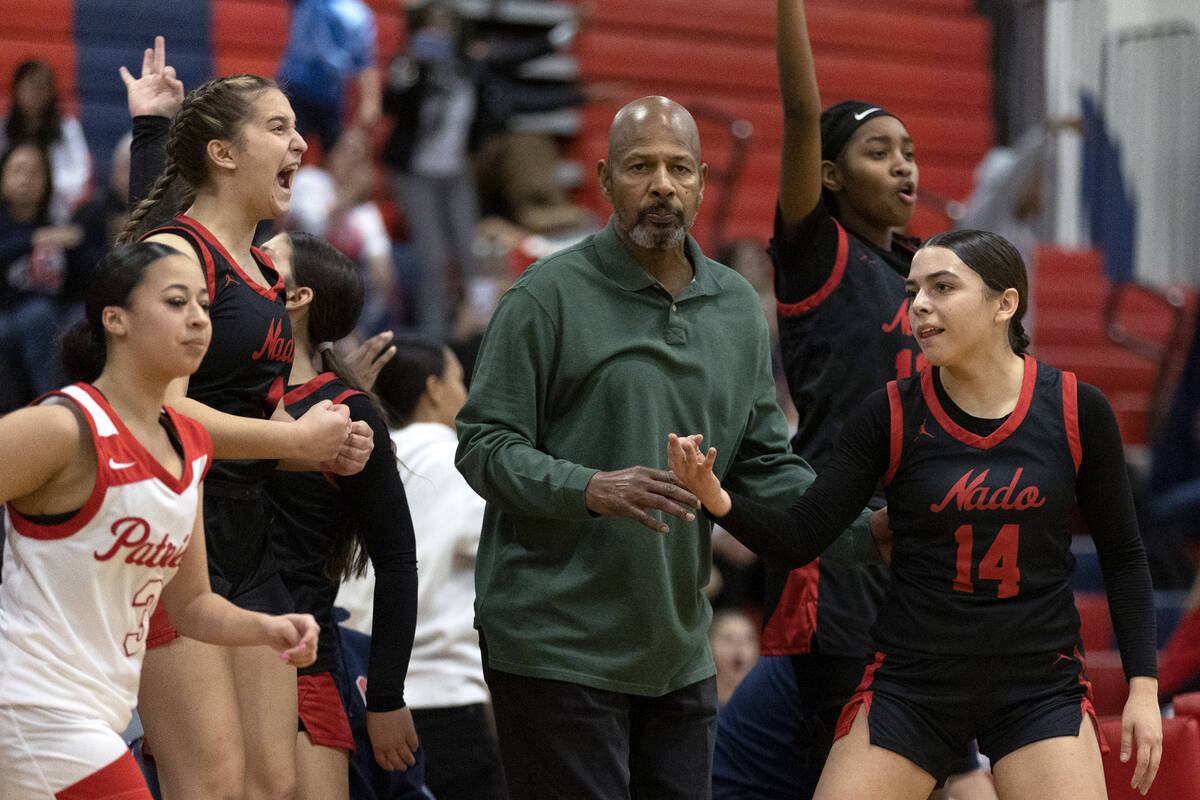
653, 238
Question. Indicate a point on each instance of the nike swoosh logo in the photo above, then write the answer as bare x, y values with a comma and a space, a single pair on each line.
862, 114
114, 464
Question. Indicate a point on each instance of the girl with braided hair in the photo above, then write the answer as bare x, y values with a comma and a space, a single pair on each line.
221, 722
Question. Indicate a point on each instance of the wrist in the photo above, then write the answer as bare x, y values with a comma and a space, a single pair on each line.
1143, 684
288, 441
720, 503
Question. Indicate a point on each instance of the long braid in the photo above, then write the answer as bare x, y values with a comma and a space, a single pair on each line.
134, 228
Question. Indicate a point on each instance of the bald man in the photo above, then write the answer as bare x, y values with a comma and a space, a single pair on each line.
592, 561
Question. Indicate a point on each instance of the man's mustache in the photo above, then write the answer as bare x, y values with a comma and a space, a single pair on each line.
660, 209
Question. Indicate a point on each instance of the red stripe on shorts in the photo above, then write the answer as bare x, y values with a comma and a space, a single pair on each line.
861, 697
322, 712
120, 780
1086, 708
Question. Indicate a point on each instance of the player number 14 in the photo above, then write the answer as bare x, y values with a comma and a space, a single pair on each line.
998, 564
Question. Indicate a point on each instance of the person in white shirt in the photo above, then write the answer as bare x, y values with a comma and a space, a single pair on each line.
422, 390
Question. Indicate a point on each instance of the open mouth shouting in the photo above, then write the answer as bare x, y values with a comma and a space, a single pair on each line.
284, 177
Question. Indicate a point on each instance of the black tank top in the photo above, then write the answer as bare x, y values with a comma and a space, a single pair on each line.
313, 509
251, 350
843, 333
982, 560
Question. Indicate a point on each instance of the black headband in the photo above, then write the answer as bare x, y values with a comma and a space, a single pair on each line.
839, 122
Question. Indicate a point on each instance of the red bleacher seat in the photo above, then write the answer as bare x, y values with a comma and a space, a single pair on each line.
1178, 774
249, 35
1187, 705
1095, 624
37, 20
1109, 687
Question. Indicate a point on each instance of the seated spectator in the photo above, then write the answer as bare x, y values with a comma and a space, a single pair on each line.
33, 265
335, 202
518, 181
734, 640
34, 114
330, 42
422, 390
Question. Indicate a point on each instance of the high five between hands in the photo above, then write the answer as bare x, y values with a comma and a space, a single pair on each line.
694, 471
636, 491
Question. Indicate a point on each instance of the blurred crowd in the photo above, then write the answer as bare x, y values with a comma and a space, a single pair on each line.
422, 168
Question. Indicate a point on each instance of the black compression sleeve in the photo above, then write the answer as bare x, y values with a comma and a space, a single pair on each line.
794, 536
147, 155
376, 497
1103, 492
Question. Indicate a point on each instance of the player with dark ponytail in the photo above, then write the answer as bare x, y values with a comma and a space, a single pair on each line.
103, 490
328, 526
984, 456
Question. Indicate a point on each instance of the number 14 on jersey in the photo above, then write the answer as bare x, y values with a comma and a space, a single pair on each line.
998, 564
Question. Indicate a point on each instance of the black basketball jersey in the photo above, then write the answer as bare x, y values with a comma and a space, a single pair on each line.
844, 337
310, 512
251, 349
843, 333
313, 509
982, 559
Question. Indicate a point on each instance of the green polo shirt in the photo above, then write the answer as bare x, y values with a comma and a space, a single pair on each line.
587, 365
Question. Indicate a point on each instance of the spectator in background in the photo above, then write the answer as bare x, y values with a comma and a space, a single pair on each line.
1006, 198
434, 98
335, 202
449, 93
34, 114
100, 221
330, 42
734, 640
422, 390
33, 265
1173, 484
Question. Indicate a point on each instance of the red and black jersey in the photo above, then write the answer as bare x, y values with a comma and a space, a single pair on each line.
982, 554
251, 349
843, 333
980, 509
843, 323
312, 509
